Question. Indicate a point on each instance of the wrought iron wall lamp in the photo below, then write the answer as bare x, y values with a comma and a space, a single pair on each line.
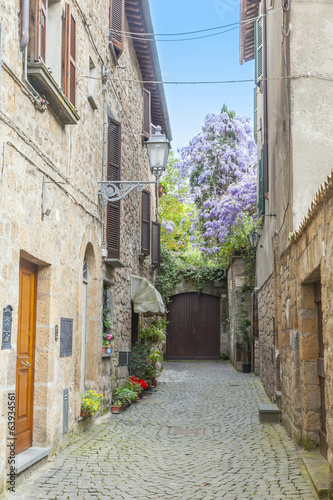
158, 148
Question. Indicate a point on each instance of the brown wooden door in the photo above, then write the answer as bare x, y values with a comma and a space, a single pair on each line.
25, 356
194, 327
321, 373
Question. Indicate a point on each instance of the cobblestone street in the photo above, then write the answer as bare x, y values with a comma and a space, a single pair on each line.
197, 436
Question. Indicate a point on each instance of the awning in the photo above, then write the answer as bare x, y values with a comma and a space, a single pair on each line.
146, 299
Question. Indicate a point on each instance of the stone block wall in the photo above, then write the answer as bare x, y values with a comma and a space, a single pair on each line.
291, 294
68, 161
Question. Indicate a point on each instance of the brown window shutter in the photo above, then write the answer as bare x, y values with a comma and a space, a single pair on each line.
70, 55
156, 244
40, 30
145, 223
113, 174
117, 22
146, 113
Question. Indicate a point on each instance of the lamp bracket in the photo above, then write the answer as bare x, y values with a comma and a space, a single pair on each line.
111, 191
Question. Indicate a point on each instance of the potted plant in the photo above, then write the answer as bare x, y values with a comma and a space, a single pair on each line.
108, 337
155, 332
91, 402
116, 407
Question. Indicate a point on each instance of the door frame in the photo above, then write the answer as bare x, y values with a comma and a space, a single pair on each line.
25, 442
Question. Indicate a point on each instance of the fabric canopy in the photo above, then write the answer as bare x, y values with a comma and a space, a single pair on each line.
146, 299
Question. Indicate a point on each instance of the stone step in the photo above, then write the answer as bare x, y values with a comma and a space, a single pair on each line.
269, 413
278, 396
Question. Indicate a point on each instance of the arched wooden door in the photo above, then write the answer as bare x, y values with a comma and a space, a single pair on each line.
194, 327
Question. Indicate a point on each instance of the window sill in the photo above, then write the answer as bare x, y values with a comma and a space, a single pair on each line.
107, 355
114, 263
42, 80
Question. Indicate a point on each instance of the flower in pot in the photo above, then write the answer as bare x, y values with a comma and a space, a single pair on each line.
91, 402
116, 406
155, 332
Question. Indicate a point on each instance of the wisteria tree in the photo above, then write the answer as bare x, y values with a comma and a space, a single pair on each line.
220, 164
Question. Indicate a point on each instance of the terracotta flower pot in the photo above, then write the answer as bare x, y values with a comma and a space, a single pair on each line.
154, 381
150, 384
84, 414
116, 409
104, 349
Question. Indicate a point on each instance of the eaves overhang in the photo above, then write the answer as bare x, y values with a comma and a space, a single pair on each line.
139, 21
249, 12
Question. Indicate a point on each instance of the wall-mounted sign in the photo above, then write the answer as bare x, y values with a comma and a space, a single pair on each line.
7, 327
66, 337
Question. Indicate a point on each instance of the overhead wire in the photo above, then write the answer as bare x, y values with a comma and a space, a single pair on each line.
152, 36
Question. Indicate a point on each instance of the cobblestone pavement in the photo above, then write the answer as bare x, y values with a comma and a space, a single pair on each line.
197, 436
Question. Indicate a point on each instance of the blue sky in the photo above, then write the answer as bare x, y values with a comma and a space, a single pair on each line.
214, 58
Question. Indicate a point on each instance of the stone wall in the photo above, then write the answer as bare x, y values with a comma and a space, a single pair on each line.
69, 161
304, 268
269, 352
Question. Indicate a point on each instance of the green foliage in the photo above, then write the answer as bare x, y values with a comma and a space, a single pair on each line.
203, 275
139, 361
175, 208
91, 401
168, 275
155, 332
124, 394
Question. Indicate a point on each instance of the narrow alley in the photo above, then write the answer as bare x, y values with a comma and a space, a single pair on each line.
196, 436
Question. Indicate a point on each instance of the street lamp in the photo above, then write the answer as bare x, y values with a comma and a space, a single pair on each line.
254, 241
158, 148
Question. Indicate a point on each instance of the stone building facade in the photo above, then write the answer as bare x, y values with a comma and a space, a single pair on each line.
73, 112
293, 112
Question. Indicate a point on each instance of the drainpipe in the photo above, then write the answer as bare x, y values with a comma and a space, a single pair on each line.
0, 57
24, 24
264, 13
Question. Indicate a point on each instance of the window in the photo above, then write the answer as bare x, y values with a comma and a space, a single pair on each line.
113, 174
146, 114
261, 187
70, 56
258, 50
117, 18
52, 60
156, 244
145, 223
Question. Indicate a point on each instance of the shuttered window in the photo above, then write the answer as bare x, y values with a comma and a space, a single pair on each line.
259, 55
261, 187
156, 244
255, 117
40, 30
145, 223
113, 174
117, 17
146, 113
70, 55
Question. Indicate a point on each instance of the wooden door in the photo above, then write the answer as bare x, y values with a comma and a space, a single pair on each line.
25, 366
321, 373
194, 327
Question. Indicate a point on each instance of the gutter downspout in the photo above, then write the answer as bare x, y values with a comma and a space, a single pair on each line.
24, 24
0, 57
265, 72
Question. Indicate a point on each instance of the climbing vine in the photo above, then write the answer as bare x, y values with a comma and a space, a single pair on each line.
173, 270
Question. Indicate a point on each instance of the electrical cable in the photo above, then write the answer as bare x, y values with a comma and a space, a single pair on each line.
152, 36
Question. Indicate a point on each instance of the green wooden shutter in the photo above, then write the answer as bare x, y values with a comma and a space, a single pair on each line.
255, 117
145, 223
258, 49
261, 187
113, 174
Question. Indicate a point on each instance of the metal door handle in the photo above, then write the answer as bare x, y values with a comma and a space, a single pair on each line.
26, 364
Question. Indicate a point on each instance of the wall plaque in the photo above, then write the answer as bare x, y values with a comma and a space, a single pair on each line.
7, 327
66, 337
